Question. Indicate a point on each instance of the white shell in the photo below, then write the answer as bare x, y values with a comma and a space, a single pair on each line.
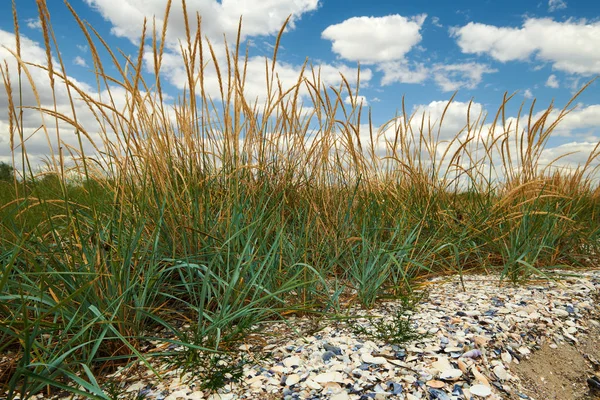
480, 390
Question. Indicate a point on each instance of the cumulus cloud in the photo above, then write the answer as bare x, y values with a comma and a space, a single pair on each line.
554, 5
375, 39
527, 94
34, 23
358, 99
581, 125
581, 122
456, 76
255, 85
454, 119
569, 155
401, 71
79, 61
449, 77
448, 126
37, 144
570, 46
260, 17
552, 82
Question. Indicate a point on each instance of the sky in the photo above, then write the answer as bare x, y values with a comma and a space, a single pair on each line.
423, 52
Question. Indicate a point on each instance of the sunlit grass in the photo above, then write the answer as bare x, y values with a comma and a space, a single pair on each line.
225, 213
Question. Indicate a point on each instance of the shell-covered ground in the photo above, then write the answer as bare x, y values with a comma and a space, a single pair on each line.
492, 340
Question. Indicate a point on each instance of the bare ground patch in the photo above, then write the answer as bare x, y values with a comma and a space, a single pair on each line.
561, 373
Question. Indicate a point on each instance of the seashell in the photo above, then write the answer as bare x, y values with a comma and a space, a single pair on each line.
293, 361
435, 384
472, 353
369, 359
442, 364
451, 374
435, 394
500, 372
292, 379
480, 377
480, 390
462, 366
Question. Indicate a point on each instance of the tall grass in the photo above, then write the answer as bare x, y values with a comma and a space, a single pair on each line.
224, 213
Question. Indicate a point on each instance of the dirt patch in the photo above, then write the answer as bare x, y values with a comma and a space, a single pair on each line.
561, 373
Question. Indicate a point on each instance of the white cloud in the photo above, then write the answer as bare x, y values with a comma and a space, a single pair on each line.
400, 71
449, 77
254, 87
574, 83
583, 121
483, 142
569, 155
375, 100
554, 5
456, 76
358, 99
570, 46
455, 117
436, 22
375, 39
83, 48
37, 144
527, 94
552, 82
34, 23
79, 61
260, 17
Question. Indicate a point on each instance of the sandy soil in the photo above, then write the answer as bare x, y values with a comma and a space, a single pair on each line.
561, 373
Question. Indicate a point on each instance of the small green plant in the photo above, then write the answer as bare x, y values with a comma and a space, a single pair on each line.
212, 363
397, 331
213, 370
115, 391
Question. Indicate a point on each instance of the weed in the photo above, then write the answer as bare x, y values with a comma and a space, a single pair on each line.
398, 331
395, 330
210, 370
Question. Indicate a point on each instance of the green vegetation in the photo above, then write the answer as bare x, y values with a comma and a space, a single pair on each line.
6, 172
399, 329
225, 214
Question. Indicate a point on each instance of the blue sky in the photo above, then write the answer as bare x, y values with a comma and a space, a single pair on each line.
424, 51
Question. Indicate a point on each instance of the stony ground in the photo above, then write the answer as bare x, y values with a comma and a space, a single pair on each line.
535, 341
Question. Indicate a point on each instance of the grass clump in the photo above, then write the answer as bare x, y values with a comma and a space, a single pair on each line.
222, 212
